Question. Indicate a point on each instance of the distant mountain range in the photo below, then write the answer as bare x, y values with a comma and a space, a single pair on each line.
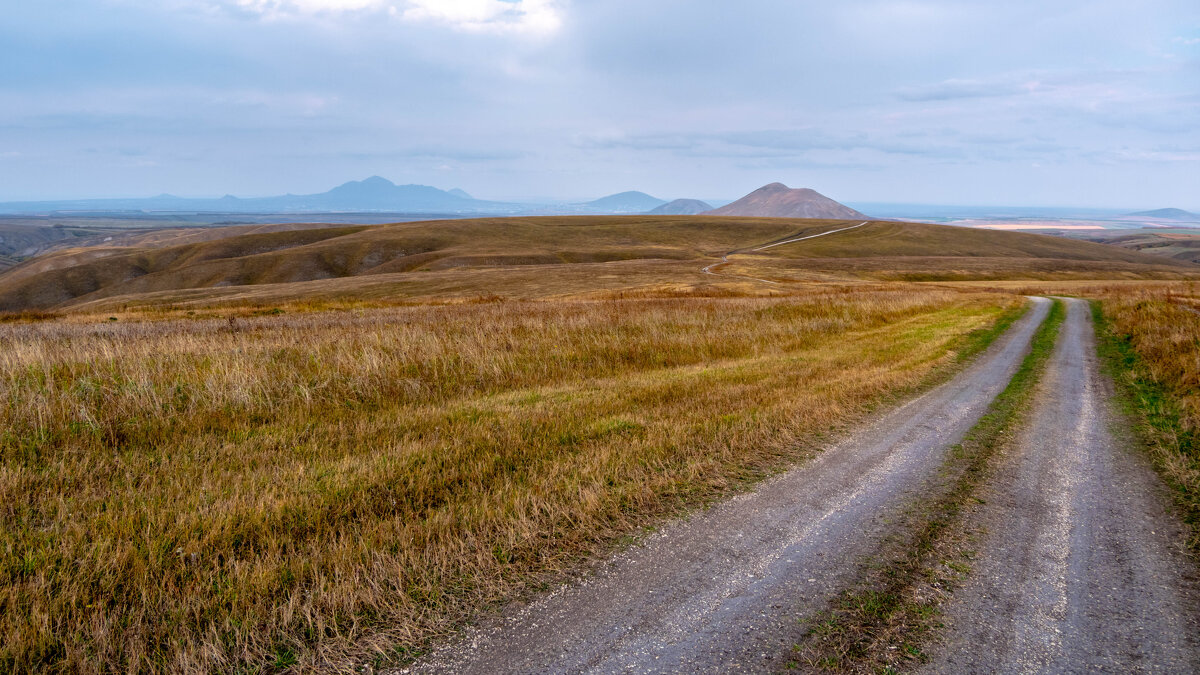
372, 194
779, 201
1169, 214
377, 199
379, 195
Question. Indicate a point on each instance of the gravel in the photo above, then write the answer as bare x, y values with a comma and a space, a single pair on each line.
1081, 568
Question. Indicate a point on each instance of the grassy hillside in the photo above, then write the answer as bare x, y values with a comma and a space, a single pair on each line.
19, 237
540, 257
292, 256
1176, 244
889, 251
894, 239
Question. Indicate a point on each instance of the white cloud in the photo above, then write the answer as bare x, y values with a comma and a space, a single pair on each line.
308, 6
471, 16
488, 16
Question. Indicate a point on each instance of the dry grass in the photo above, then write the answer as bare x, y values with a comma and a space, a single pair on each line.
1152, 340
952, 268
294, 491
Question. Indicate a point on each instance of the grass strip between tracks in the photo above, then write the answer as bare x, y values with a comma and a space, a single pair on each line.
1150, 390
880, 624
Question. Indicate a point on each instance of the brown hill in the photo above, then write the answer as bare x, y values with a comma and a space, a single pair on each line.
779, 201
545, 257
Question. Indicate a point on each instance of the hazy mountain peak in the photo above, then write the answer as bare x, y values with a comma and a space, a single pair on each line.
630, 201
681, 207
776, 200
1168, 214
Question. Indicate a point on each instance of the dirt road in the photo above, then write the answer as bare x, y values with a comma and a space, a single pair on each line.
721, 592
1080, 569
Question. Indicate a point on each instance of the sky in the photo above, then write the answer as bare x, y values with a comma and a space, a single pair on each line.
1091, 103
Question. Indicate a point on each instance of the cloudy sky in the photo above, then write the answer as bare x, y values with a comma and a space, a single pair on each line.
1023, 102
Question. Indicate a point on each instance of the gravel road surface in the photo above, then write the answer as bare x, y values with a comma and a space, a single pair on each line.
1080, 569
720, 592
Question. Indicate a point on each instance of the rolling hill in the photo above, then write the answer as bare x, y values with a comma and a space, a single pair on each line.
625, 202
681, 207
20, 240
543, 257
1178, 244
779, 201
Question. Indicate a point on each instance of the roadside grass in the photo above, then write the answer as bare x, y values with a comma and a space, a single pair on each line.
883, 621
1150, 345
314, 490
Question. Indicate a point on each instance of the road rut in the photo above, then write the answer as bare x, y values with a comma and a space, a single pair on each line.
1081, 568
721, 591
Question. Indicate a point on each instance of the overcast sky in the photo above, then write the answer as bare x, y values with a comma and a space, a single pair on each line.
1022, 102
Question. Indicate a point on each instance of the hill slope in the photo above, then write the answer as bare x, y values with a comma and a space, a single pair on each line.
1179, 244
681, 207
625, 202
779, 201
541, 257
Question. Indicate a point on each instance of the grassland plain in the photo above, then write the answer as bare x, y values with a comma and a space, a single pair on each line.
316, 489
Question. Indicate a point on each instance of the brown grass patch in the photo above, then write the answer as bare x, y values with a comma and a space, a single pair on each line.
307, 490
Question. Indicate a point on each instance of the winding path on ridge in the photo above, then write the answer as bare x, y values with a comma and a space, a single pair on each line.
720, 592
725, 258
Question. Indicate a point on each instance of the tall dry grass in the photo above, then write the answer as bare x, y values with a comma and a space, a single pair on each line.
1152, 337
315, 489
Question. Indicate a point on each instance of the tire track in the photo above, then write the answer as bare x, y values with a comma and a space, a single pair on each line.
1081, 568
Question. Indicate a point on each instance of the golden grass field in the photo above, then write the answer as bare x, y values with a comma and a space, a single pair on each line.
273, 449
326, 488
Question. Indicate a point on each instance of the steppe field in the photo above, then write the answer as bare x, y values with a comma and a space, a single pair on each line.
328, 448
